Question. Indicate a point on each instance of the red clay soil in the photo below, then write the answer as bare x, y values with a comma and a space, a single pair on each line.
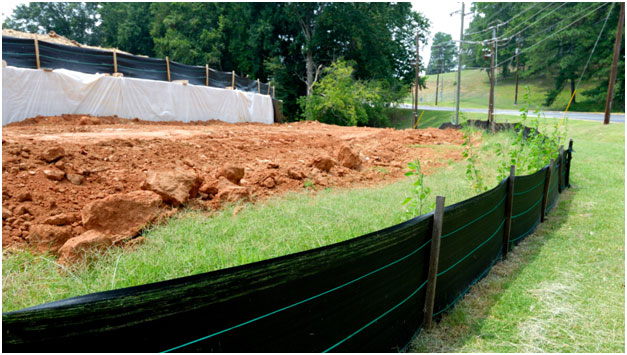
112, 155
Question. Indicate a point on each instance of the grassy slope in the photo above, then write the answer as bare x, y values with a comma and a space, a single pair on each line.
562, 289
476, 86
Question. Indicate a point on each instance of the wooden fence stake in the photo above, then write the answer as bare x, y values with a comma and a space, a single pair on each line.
115, 60
167, 65
37, 53
273, 88
258, 86
434, 257
207, 74
508, 209
233, 79
545, 196
561, 169
269, 88
568, 159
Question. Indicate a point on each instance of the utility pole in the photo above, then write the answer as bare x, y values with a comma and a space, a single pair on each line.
442, 89
437, 81
459, 66
517, 57
417, 85
617, 44
491, 104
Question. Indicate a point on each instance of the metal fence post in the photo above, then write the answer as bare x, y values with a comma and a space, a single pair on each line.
434, 257
561, 169
568, 159
545, 194
508, 209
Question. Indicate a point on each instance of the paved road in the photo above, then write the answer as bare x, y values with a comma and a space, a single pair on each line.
589, 116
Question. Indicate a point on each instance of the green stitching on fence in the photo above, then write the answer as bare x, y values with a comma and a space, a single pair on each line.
523, 192
527, 232
474, 250
300, 302
379, 317
471, 284
529, 209
475, 220
24, 54
411, 339
148, 70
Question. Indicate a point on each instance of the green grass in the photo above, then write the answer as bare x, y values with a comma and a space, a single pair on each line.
476, 87
401, 118
563, 288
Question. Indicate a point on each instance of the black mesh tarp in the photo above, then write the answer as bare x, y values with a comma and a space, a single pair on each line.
472, 238
194, 74
142, 67
85, 60
527, 205
365, 294
19, 52
553, 192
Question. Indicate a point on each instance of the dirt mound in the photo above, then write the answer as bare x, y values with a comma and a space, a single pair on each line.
115, 157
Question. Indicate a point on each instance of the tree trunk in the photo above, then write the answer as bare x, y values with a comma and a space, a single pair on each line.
309, 64
572, 89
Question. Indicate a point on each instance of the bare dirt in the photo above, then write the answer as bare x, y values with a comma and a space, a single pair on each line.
110, 155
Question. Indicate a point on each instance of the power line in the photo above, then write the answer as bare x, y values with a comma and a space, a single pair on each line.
532, 16
519, 32
594, 47
491, 17
553, 34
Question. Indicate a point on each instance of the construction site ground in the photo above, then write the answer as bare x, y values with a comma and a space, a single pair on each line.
112, 155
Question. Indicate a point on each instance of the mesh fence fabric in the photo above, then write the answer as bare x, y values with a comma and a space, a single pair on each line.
527, 206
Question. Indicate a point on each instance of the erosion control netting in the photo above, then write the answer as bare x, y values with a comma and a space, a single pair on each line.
366, 294
21, 52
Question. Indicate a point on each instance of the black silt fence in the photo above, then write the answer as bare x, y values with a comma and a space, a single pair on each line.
367, 294
21, 52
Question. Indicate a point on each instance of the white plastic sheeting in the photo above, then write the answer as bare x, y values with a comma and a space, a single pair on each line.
28, 93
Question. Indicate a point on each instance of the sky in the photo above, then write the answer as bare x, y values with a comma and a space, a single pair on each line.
438, 12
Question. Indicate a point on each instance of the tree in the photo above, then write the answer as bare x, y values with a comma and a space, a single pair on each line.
126, 25
74, 20
443, 54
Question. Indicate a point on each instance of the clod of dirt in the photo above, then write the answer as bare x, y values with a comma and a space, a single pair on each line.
232, 173
6, 213
268, 182
324, 163
47, 238
209, 186
229, 192
53, 173
174, 186
75, 179
52, 154
88, 120
348, 158
122, 215
62, 219
21, 210
296, 174
25, 196
237, 210
75, 249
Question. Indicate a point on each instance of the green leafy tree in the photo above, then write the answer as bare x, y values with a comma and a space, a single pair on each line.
443, 54
75, 20
126, 25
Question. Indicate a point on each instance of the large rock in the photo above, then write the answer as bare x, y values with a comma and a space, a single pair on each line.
122, 215
232, 173
76, 179
75, 249
323, 163
348, 158
174, 186
53, 173
229, 192
52, 154
62, 219
47, 238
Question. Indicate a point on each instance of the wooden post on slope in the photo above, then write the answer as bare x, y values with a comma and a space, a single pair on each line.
617, 44
508, 209
258, 86
545, 194
207, 74
37, 53
115, 60
233, 79
167, 66
434, 257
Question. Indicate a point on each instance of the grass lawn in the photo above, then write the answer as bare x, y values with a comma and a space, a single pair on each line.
560, 290
476, 86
